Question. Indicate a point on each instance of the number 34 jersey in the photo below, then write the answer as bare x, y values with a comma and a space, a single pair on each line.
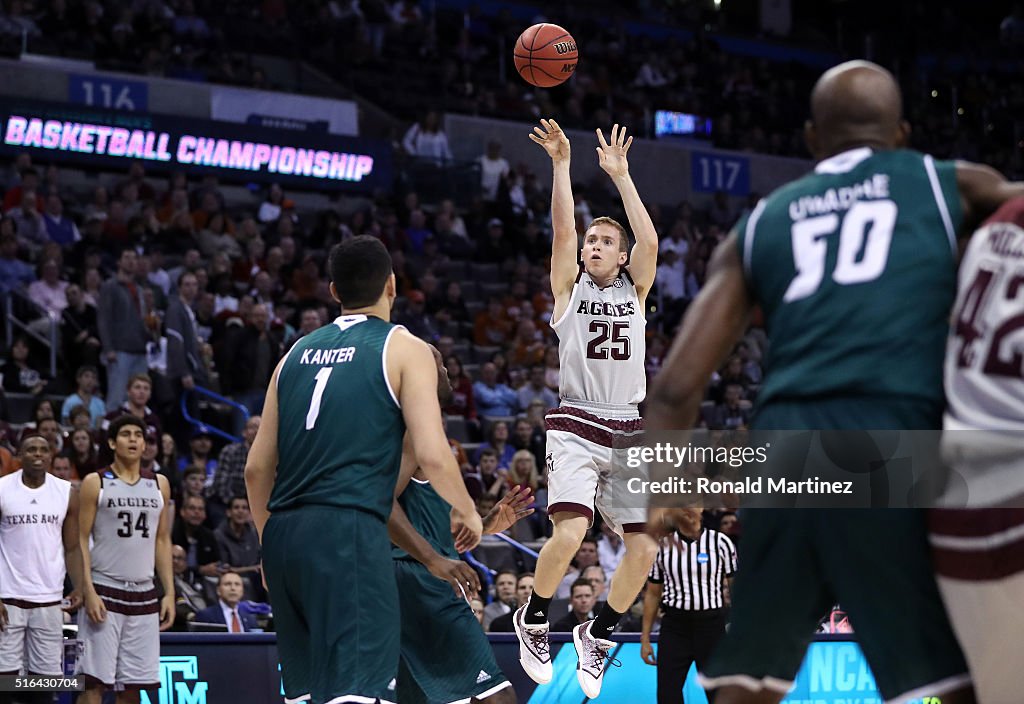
854, 266
601, 345
124, 532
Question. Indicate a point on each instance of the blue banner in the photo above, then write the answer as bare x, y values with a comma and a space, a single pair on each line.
712, 171
108, 93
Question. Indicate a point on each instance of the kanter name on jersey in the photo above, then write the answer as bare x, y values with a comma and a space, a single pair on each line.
325, 357
613, 310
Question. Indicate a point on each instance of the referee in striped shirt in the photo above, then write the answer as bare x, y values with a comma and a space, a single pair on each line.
686, 582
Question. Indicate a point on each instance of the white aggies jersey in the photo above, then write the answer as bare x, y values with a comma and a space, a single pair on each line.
984, 374
602, 345
985, 354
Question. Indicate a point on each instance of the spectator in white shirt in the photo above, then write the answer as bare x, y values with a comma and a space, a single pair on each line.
158, 276
610, 550
654, 73
493, 167
456, 224
270, 209
427, 140
671, 276
49, 291
676, 240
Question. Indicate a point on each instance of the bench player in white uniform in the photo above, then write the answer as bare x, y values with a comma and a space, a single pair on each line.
125, 512
979, 552
38, 546
600, 322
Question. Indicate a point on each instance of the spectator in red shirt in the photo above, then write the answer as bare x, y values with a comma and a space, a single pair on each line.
461, 402
492, 326
527, 347
29, 181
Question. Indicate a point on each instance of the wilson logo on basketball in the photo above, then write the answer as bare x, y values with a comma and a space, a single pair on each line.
565, 47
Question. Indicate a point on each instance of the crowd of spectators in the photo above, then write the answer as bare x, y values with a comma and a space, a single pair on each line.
580, 595
144, 313
157, 286
961, 81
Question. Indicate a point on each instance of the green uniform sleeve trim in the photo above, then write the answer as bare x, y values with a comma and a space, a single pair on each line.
746, 229
946, 174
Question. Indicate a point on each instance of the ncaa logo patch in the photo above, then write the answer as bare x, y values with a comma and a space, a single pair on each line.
702, 558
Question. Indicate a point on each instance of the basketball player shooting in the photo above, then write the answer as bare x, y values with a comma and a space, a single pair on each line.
599, 319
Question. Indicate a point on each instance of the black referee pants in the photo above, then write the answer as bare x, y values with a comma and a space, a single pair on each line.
686, 637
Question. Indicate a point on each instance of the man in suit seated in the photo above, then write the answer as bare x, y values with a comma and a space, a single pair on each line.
227, 611
582, 607
524, 588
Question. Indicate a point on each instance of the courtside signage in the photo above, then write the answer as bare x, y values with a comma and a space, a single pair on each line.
175, 143
204, 669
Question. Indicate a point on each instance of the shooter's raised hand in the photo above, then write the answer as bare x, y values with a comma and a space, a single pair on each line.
553, 139
612, 156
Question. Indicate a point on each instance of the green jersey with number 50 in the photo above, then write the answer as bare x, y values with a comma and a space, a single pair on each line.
340, 432
854, 266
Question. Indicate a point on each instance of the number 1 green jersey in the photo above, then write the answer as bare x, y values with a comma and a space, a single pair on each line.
854, 266
340, 432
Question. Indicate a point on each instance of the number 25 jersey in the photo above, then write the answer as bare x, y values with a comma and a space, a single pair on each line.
854, 266
601, 345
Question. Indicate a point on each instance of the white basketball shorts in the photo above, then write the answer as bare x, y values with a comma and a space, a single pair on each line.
587, 468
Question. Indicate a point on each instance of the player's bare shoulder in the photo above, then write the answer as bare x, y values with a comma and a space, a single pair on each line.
164, 484
405, 353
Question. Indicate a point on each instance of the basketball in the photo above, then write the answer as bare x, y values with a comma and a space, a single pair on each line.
545, 55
